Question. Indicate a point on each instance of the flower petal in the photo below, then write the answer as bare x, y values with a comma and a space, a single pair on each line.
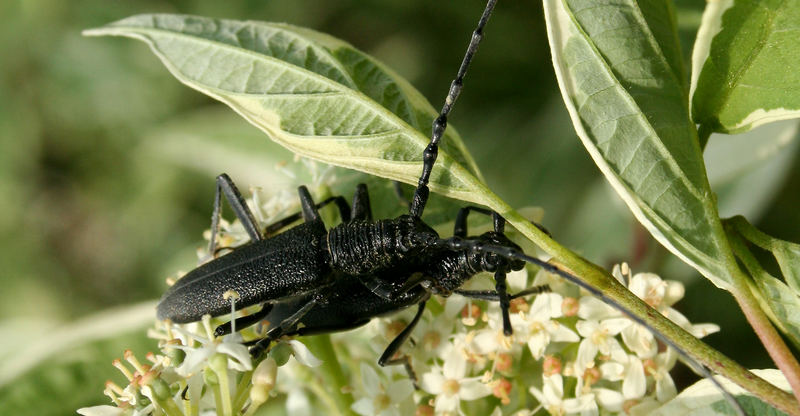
635, 384
432, 381
303, 355
608, 399
587, 350
195, 360
363, 406
455, 365
590, 307
447, 404
241, 359
370, 380
472, 389
553, 389
665, 387
612, 371
586, 405
560, 333
615, 325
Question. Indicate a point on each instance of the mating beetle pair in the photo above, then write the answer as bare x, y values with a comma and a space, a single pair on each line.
312, 280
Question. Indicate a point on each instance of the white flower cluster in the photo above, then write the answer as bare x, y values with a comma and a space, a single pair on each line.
569, 354
197, 373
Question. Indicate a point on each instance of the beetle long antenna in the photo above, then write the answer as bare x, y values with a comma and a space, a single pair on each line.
458, 243
440, 124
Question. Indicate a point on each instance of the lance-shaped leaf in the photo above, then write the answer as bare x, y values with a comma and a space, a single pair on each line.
314, 94
704, 398
780, 301
619, 69
748, 68
786, 253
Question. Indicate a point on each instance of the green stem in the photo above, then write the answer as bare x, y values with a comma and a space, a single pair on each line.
331, 371
704, 133
600, 279
748, 298
243, 390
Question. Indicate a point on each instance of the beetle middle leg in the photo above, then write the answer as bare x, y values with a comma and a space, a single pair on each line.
361, 210
287, 324
389, 355
244, 321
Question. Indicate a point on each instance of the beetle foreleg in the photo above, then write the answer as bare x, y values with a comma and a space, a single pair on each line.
388, 356
491, 295
460, 230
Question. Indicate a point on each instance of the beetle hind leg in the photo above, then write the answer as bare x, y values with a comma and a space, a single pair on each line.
285, 326
226, 187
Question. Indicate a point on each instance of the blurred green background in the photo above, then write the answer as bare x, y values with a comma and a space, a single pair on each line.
102, 196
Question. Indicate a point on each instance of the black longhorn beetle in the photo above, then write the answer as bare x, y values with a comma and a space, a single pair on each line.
310, 280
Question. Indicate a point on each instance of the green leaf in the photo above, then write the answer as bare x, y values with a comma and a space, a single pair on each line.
784, 304
704, 398
316, 95
780, 301
618, 68
747, 65
786, 253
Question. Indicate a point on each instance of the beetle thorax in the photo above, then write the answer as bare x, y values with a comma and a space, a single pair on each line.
395, 245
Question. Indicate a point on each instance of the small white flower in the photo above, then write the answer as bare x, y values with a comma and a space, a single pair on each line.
381, 399
640, 340
197, 357
599, 336
450, 384
551, 398
659, 369
539, 327
491, 338
631, 371
589, 307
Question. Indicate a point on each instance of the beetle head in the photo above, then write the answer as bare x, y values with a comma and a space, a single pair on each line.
492, 262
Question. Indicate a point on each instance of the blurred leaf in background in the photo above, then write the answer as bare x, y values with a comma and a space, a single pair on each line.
107, 163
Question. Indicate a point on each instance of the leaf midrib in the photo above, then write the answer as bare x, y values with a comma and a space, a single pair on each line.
630, 101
